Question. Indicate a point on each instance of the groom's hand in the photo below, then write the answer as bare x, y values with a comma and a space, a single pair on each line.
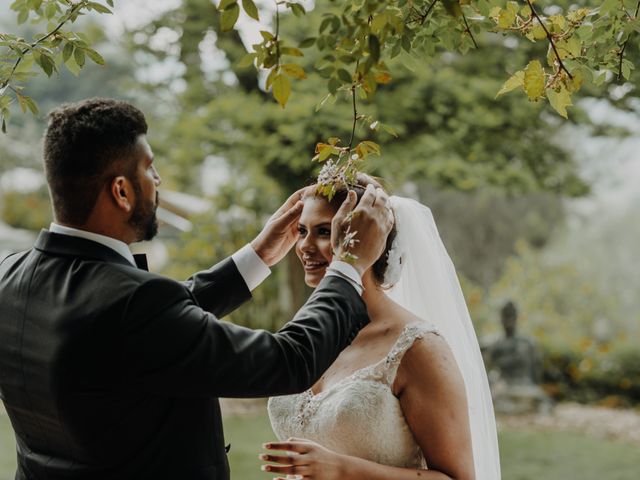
281, 231
371, 221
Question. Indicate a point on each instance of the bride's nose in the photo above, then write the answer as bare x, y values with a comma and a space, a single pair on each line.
307, 244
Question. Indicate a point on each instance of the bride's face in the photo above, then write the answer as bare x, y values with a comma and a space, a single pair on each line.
314, 245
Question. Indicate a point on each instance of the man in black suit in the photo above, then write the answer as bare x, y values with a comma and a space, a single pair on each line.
108, 371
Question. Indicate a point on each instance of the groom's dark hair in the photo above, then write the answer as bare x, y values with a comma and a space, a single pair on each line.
379, 268
86, 144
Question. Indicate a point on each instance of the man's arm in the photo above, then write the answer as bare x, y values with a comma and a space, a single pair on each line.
172, 346
219, 290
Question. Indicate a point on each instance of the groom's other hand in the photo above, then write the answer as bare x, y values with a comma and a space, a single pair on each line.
371, 221
281, 231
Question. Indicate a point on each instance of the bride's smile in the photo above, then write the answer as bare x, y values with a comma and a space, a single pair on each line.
314, 244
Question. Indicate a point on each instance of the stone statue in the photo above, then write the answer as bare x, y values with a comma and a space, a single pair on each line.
515, 369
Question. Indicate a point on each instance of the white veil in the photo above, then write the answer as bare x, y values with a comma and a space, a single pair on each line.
429, 288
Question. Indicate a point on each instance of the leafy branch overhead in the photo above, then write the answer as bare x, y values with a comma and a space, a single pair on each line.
47, 52
357, 38
584, 44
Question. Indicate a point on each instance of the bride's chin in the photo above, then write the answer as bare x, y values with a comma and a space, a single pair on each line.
313, 279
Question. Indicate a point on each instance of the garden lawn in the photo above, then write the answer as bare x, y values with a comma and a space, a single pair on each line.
526, 455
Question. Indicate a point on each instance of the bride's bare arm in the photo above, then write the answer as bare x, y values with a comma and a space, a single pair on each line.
432, 397
433, 400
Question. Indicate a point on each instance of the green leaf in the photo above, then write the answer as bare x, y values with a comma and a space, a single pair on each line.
78, 55
516, 80
267, 35
560, 101
27, 103
67, 51
247, 60
608, 5
281, 89
95, 56
72, 66
270, 78
46, 63
627, 66
389, 130
294, 52
374, 48
534, 80
329, 98
98, 7
293, 70
297, 9
23, 16
334, 85
224, 4
324, 151
250, 9
452, 7
4, 125
378, 22
229, 17
344, 76
307, 42
506, 18
50, 10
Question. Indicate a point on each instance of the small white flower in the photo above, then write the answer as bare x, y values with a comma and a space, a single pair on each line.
327, 173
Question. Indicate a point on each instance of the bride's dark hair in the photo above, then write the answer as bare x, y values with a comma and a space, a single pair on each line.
379, 268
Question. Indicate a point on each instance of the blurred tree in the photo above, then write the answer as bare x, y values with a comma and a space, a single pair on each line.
452, 132
481, 228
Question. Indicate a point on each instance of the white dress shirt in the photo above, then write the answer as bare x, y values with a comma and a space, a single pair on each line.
251, 267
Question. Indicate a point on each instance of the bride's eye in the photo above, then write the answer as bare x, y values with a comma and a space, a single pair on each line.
325, 231
302, 231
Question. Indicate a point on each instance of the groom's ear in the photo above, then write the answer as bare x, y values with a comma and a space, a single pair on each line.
122, 193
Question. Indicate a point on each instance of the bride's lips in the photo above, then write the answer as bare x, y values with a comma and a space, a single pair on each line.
314, 265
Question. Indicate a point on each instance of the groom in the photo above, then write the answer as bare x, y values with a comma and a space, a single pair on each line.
108, 371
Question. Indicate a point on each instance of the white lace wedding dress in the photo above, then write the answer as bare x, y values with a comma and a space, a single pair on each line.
359, 415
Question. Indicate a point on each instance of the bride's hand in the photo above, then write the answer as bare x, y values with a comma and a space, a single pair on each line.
305, 459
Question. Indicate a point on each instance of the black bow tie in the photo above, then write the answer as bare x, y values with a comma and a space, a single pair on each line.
141, 261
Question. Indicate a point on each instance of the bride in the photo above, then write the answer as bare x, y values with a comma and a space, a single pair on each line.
409, 397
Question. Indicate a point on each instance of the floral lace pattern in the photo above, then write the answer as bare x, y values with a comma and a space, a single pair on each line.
358, 415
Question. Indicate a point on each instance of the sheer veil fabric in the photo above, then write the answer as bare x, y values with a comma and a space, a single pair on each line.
429, 288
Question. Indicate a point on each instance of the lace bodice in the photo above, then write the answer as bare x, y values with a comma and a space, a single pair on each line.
357, 416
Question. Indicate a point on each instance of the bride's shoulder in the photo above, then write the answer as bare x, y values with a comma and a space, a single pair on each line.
427, 358
412, 324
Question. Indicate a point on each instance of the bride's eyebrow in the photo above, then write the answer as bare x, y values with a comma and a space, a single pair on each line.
320, 225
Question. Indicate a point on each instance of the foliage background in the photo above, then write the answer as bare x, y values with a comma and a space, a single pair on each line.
505, 178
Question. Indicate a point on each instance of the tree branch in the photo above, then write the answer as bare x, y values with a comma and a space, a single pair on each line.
468, 30
423, 16
67, 17
277, 39
624, 46
550, 38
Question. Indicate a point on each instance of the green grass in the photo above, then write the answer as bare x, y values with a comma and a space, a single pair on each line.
526, 455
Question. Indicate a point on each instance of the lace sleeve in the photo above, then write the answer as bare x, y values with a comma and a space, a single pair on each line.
405, 341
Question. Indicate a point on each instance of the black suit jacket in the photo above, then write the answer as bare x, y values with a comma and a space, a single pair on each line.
111, 372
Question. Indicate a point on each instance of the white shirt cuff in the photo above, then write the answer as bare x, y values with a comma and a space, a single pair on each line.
348, 272
253, 270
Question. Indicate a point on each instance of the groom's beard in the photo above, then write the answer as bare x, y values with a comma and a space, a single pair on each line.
144, 219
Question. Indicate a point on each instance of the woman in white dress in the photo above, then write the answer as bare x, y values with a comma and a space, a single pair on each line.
409, 397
